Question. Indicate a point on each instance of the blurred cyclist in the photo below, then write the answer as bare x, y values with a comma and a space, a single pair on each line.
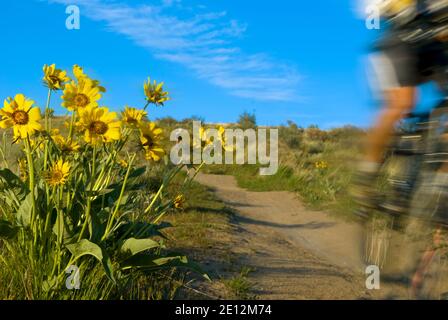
399, 67
401, 64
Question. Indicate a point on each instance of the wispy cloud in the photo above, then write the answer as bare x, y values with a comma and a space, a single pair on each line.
203, 42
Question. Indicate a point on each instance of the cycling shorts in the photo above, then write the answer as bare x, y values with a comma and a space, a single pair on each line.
400, 64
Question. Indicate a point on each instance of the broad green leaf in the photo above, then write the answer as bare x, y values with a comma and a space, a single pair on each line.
133, 246
104, 191
143, 229
58, 227
63, 228
156, 262
85, 247
96, 227
7, 230
23, 215
10, 178
137, 172
12, 189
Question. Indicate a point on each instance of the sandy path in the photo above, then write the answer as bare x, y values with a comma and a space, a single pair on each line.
297, 253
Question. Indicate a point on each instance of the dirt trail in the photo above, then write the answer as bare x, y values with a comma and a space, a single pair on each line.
297, 253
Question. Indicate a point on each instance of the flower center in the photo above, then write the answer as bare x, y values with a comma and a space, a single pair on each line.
54, 79
20, 117
149, 142
98, 127
67, 147
132, 120
57, 176
81, 100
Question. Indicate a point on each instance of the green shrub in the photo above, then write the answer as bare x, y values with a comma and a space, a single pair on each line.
247, 121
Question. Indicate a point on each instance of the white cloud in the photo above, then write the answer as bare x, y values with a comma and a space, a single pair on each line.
204, 43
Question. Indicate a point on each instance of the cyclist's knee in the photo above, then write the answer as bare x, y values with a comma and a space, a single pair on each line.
400, 101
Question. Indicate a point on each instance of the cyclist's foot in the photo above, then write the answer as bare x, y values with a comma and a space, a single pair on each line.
363, 190
416, 286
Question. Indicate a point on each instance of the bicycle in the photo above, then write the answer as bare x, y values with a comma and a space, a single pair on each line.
408, 216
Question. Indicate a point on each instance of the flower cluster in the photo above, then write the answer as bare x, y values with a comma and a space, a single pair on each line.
179, 201
90, 122
321, 165
78, 197
209, 139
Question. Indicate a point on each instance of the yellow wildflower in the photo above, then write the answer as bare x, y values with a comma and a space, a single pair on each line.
99, 125
222, 139
204, 140
65, 145
23, 169
132, 117
179, 202
150, 137
123, 163
154, 92
54, 78
81, 76
81, 95
321, 165
20, 114
58, 173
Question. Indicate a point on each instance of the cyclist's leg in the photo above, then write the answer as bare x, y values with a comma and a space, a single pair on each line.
399, 101
428, 212
395, 70
424, 264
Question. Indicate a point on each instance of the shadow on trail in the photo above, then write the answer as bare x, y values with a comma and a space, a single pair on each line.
310, 225
240, 204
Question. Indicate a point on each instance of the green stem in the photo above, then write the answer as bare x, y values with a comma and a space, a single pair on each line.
90, 196
148, 209
31, 185
103, 169
47, 107
117, 207
4, 158
60, 220
72, 121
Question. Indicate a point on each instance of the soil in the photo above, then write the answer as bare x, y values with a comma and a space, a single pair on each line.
295, 253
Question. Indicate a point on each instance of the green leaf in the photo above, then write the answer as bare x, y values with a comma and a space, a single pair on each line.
50, 284
137, 172
144, 229
157, 262
12, 188
133, 246
63, 228
7, 230
23, 215
11, 179
96, 226
85, 247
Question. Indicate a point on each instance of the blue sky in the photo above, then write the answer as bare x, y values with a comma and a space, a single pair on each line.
283, 60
